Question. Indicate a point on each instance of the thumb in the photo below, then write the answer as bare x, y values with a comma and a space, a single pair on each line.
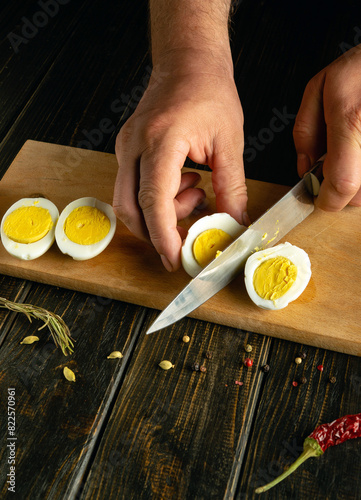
229, 183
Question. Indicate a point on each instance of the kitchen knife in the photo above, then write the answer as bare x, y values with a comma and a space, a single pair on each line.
287, 213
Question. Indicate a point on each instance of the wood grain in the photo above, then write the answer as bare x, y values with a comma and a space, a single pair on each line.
187, 434
58, 423
287, 415
326, 315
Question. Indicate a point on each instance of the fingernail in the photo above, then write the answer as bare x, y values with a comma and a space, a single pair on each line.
166, 263
303, 164
246, 219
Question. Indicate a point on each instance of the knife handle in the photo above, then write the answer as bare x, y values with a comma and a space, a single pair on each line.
314, 177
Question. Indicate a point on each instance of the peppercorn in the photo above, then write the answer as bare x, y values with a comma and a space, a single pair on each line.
332, 380
203, 369
303, 380
265, 368
295, 383
248, 362
298, 361
209, 354
248, 348
320, 368
186, 339
238, 382
303, 355
195, 367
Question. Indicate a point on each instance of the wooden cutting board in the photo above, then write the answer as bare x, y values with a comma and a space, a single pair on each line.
327, 315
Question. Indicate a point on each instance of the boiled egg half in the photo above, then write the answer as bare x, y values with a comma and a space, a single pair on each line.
206, 238
276, 276
85, 228
28, 227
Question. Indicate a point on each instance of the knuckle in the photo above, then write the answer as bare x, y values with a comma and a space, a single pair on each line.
352, 120
147, 198
345, 187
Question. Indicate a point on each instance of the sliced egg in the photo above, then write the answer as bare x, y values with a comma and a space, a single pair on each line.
276, 276
207, 238
28, 227
85, 228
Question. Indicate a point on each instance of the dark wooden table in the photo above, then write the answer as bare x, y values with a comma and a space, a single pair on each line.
126, 428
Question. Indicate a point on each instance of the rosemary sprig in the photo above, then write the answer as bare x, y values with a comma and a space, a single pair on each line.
57, 326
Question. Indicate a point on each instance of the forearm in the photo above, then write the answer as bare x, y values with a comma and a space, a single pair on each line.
189, 33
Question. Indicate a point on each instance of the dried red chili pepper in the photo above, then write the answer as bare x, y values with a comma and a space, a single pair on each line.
324, 436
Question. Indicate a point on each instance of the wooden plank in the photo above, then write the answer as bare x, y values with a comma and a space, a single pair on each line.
130, 270
287, 415
180, 433
58, 422
73, 91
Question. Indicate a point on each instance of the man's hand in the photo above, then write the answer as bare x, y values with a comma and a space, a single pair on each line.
196, 115
329, 120
190, 108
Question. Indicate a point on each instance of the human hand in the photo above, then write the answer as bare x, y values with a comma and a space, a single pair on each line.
196, 114
329, 119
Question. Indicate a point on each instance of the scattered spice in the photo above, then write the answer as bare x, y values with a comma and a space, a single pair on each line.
265, 368
248, 348
238, 382
30, 339
303, 355
58, 328
320, 368
166, 365
332, 380
195, 367
324, 436
248, 362
114, 355
295, 383
203, 369
69, 374
298, 361
303, 380
209, 354
186, 339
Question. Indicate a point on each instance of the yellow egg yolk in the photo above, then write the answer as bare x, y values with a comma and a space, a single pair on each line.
208, 243
86, 225
28, 224
274, 277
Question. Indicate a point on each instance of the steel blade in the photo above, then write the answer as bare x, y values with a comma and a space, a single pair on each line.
287, 213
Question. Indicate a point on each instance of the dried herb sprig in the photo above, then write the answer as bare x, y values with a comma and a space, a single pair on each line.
57, 326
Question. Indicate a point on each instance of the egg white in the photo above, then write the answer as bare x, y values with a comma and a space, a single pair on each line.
75, 250
30, 251
297, 256
215, 221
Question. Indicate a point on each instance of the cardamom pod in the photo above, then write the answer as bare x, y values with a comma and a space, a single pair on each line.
165, 365
30, 339
69, 374
114, 355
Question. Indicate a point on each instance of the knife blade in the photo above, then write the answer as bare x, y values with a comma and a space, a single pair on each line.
286, 214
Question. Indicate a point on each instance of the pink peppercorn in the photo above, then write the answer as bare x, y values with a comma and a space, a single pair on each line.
320, 368
248, 362
294, 383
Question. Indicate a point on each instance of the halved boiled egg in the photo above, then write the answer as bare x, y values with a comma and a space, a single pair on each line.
85, 228
276, 276
28, 227
206, 238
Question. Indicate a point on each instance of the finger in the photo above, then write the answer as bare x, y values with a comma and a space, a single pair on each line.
187, 201
309, 132
160, 180
125, 196
188, 180
229, 181
341, 170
